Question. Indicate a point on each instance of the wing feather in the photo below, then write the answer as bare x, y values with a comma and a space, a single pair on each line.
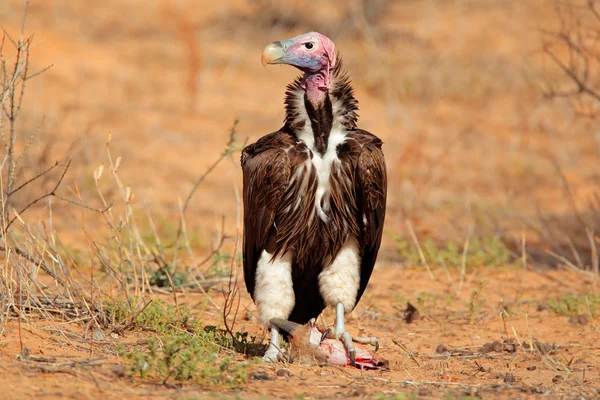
371, 194
266, 173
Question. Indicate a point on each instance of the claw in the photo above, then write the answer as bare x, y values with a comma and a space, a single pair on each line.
324, 335
347, 340
368, 340
272, 355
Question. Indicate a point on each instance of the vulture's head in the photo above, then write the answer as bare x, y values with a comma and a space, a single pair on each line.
310, 52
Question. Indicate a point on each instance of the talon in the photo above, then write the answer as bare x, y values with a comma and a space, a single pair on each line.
271, 356
352, 354
376, 345
324, 335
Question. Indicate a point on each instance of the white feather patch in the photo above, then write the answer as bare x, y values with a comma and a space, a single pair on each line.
325, 166
339, 282
336, 108
273, 290
306, 133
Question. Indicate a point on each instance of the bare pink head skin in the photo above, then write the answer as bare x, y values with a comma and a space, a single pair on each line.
312, 53
309, 338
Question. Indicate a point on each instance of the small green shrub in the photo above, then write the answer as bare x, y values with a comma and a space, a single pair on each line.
160, 277
574, 304
183, 349
185, 357
488, 251
476, 303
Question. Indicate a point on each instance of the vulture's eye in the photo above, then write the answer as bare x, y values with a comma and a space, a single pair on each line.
308, 46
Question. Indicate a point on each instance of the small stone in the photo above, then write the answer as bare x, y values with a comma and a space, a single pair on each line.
24, 354
284, 372
411, 313
544, 348
119, 370
510, 346
509, 378
531, 368
260, 376
494, 346
441, 349
97, 334
578, 320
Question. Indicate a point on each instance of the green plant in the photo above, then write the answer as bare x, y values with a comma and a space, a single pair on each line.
485, 251
574, 304
426, 302
165, 276
184, 350
476, 303
185, 357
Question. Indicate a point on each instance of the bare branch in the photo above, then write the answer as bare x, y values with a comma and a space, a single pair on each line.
37, 200
229, 148
27, 182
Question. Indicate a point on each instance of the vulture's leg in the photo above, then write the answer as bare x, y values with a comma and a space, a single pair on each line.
272, 353
342, 334
339, 332
274, 296
338, 284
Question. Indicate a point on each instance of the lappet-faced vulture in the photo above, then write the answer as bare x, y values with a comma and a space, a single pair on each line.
314, 197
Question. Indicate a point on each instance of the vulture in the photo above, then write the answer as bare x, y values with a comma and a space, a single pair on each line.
314, 195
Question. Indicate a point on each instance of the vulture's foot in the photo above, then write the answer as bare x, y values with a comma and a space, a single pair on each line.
339, 332
372, 340
274, 352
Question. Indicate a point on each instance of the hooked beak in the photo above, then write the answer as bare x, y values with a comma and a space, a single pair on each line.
288, 326
274, 53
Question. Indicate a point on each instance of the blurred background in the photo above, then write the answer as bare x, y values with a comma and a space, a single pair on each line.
489, 134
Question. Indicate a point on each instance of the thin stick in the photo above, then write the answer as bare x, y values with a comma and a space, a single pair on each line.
594, 251
226, 153
33, 202
413, 235
463, 266
24, 17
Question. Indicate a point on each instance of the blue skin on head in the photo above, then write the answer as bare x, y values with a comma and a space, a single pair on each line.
312, 53
303, 61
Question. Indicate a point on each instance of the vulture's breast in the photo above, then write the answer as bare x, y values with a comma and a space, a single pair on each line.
320, 205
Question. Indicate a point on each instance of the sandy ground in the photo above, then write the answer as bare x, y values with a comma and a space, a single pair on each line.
453, 88
564, 360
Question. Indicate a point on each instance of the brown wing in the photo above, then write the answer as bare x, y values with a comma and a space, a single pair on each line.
371, 187
266, 170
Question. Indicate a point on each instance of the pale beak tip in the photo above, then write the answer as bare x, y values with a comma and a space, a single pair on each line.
272, 54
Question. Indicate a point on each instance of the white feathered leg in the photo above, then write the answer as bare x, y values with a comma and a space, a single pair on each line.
338, 284
274, 296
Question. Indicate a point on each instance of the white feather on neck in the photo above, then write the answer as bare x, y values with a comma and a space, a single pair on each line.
324, 164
